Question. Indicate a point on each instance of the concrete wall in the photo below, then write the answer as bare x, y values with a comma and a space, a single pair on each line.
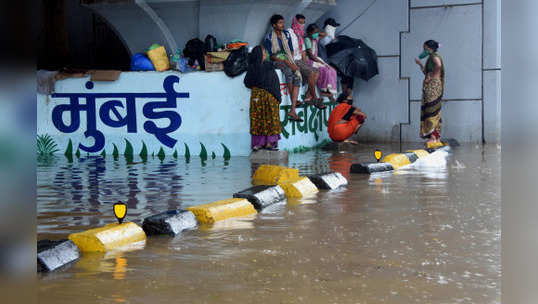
215, 113
469, 32
227, 20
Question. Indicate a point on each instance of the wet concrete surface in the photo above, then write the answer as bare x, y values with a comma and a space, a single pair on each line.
427, 234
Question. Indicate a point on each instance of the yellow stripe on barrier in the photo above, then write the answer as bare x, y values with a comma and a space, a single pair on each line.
434, 145
397, 160
420, 153
272, 174
109, 237
299, 187
221, 210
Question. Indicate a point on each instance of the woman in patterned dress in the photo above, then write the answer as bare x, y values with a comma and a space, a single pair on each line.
265, 98
432, 92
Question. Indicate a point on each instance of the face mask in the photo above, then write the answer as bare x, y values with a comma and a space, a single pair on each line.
424, 55
315, 36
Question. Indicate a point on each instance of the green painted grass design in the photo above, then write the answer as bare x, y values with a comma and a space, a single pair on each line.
115, 153
144, 151
69, 149
46, 145
227, 154
161, 154
187, 152
203, 152
129, 152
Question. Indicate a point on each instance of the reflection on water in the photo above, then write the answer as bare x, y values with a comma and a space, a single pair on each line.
426, 234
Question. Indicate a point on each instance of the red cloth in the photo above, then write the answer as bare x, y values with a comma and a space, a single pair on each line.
341, 132
298, 29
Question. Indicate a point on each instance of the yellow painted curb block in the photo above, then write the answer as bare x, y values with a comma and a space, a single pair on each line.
420, 153
221, 210
299, 187
108, 237
434, 145
397, 160
272, 174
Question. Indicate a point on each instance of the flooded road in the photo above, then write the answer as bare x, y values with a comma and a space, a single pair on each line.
428, 234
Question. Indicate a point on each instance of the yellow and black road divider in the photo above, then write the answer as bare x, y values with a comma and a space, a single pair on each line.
396, 161
272, 184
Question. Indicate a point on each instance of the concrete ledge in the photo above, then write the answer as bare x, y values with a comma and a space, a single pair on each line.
367, 168
397, 160
109, 237
221, 210
266, 155
171, 222
52, 255
273, 174
328, 181
298, 188
262, 196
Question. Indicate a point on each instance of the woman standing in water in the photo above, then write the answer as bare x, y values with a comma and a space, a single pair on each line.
265, 99
432, 92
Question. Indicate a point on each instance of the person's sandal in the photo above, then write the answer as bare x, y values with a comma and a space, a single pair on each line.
319, 104
298, 119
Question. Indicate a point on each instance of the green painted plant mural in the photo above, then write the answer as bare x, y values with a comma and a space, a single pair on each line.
69, 150
161, 154
227, 154
187, 153
203, 152
115, 153
46, 145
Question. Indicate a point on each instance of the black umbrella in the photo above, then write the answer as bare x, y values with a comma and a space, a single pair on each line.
355, 60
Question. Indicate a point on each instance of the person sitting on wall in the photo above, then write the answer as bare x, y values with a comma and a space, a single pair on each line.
280, 48
308, 72
265, 98
345, 120
327, 81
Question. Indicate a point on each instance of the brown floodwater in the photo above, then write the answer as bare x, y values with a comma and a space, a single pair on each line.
427, 234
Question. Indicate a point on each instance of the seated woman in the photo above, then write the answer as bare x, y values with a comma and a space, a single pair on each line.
345, 120
265, 99
327, 74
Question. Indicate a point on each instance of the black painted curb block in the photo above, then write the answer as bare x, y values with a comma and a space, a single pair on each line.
328, 181
51, 255
367, 168
171, 222
411, 156
451, 142
262, 196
